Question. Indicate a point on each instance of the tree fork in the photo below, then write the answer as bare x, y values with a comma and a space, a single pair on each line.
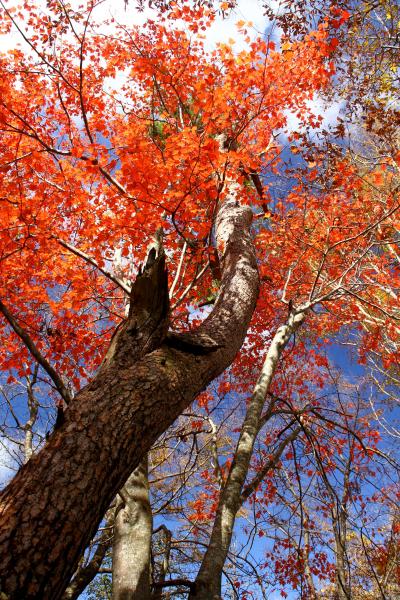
52, 508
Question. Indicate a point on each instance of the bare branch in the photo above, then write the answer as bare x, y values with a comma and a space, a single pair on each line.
178, 271
33, 349
92, 262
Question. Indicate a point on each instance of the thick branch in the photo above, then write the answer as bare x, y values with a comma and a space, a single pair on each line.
173, 583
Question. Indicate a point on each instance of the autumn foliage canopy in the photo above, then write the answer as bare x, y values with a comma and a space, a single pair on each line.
109, 132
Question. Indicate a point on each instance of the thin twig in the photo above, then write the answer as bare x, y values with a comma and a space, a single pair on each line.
92, 262
33, 349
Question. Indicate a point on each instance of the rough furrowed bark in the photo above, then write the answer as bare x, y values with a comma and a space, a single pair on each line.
52, 508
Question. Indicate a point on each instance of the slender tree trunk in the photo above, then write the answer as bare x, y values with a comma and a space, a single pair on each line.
158, 592
132, 538
208, 582
53, 506
33, 407
342, 586
307, 569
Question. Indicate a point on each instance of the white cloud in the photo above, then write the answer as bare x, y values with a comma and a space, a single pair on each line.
328, 111
221, 31
224, 29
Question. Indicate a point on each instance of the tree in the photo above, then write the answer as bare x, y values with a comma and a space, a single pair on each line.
92, 172
164, 139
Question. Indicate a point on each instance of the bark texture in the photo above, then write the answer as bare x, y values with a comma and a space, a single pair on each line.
132, 538
208, 581
52, 508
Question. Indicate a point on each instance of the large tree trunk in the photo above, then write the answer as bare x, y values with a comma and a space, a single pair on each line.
52, 508
133, 527
208, 581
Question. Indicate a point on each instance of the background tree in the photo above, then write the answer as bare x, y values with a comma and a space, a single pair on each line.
88, 180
